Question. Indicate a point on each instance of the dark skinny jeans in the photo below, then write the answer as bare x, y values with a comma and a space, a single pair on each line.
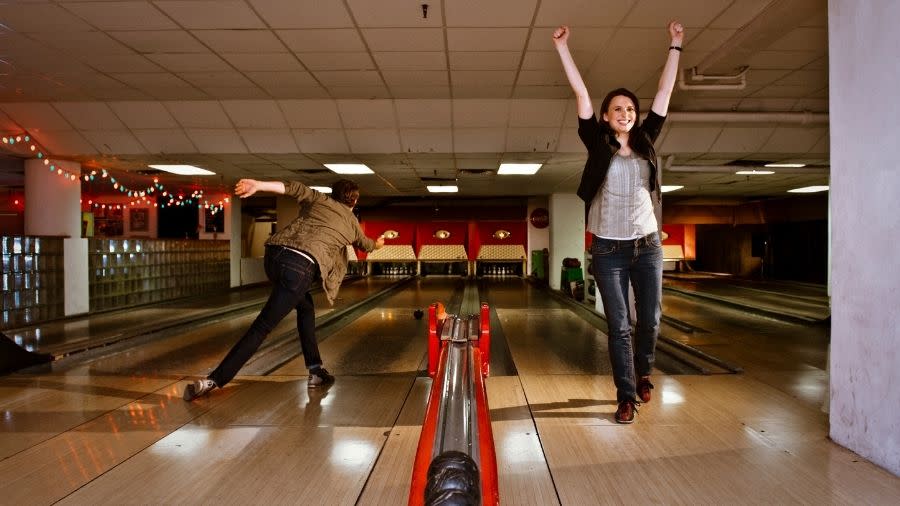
291, 275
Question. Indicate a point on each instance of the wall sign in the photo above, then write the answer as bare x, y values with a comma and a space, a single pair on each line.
442, 234
540, 218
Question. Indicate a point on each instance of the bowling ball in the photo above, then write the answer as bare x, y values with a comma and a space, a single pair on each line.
418, 314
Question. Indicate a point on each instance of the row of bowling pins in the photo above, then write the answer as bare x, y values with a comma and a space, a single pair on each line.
499, 270
398, 270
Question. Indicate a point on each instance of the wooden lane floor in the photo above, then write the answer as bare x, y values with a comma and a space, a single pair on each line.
720, 439
703, 439
93, 410
79, 333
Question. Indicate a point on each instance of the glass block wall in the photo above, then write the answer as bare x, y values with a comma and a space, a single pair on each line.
126, 272
32, 279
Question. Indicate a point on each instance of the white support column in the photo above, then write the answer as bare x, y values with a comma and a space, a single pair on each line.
538, 238
566, 232
865, 324
53, 208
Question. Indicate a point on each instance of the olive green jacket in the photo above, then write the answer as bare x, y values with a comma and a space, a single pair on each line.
323, 228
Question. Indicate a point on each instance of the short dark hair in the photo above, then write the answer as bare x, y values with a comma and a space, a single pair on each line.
345, 191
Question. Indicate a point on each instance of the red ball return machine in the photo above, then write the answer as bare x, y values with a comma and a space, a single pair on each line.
455, 461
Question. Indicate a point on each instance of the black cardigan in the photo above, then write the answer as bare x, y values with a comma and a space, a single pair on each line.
601, 145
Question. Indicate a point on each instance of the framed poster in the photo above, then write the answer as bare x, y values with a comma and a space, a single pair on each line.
139, 219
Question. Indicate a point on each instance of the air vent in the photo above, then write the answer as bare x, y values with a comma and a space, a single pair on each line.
309, 171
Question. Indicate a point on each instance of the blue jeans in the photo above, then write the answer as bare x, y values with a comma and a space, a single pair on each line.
615, 263
291, 275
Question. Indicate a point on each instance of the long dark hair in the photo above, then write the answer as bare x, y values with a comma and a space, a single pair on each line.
345, 191
637, 139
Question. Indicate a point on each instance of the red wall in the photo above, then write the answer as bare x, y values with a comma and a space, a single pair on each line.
374, 229
425, 234
483, 233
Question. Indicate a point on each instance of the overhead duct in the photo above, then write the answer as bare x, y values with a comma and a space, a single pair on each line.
800, 117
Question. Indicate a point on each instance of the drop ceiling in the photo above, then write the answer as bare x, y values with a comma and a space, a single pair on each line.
276, 88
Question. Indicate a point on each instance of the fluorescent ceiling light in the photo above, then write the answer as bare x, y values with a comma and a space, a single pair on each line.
349, 168
519, 168
321, 189
670, 188
786, 165
809, 189
183, 170
754, 172
443, 188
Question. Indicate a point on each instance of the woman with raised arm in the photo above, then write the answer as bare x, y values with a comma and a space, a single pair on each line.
618, 186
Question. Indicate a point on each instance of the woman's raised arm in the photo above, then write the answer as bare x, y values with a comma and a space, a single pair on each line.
560, 40
670, 71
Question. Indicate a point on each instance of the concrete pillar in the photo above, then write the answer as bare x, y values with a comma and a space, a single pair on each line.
53, 208
566, 232
865, 324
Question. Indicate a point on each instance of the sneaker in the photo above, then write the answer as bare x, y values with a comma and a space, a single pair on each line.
198, 388
625, 413
643, 388
319, 377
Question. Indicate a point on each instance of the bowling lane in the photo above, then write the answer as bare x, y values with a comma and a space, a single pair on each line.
76, 334
274, 429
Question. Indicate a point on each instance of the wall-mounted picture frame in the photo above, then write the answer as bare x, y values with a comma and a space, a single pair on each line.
139, 220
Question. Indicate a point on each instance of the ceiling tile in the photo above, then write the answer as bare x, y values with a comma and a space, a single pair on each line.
420, 91
246, 114
416, 77
531, 140
741, 139
422, 60
490, 60
269, 140
404, 39
112, 63
348, 78
480, 113
367, 113
39, 17
165, 141
89, 115
143, 114
658, 13
739, 14
426, 140
87, 44
479, 140
219, 140
493, 13
241, 41
336, 61
482, 77
310, 114
263, 62
132, 15
590, 40
282, 79
536, 113
578, 13
199, 114
486, 39
302, 14
206, 80
395, 14
211, 14
167, 41
381, 140
321, 140
68, 142
423, 113
114, 142
190, 62
315, 40
35, 117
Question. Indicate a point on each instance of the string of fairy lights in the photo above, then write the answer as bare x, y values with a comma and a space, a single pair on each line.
140, 197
